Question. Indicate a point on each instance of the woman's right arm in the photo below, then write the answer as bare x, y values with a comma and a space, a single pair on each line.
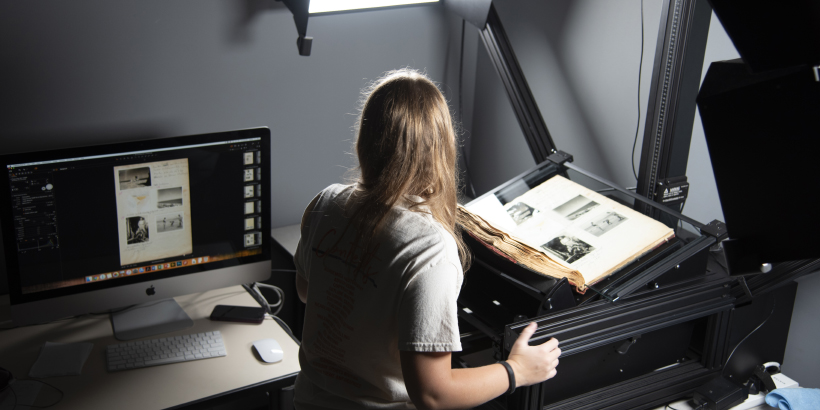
433, 384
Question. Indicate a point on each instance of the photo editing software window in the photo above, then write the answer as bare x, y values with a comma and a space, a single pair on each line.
114, 217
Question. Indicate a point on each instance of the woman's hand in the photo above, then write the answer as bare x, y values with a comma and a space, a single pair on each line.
533, 364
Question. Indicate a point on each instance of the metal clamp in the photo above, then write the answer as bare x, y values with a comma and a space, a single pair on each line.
560, 157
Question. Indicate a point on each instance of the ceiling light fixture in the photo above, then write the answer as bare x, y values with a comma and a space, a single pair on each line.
325, 6
302, 8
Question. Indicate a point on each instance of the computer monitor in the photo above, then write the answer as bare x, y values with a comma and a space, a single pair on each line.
91, 229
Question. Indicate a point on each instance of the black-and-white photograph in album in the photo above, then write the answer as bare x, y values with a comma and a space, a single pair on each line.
568, 248
169, 197
605, 223
137, 230
169, 222
575, 207
521, 212
135, 178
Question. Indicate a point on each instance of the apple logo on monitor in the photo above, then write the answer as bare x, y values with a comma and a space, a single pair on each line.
150, 291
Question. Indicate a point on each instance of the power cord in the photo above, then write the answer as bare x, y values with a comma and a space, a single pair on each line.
14, 393
253, 289
726, 364
286, 327
638, 125
279, 304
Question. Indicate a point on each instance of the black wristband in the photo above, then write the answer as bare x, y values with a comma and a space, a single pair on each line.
510, 375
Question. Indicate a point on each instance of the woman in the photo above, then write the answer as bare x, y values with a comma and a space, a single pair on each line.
380, 265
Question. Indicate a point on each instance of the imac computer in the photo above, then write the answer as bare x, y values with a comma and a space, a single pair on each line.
106, 227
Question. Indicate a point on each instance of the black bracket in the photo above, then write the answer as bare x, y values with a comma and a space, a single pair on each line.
560, 297
560, 157
760, 380
741, 280
624, 347
716, 229
300, 10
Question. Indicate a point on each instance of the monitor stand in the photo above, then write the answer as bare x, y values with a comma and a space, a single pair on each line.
150, 319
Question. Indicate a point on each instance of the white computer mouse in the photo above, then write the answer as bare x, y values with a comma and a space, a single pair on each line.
269, 350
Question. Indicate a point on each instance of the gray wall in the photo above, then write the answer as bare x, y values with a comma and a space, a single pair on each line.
93, 71
186, 67
581, 59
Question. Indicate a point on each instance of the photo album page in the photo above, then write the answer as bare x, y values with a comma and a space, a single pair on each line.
153, 210
576, 227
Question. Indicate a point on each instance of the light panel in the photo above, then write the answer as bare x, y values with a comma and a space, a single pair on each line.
324, 6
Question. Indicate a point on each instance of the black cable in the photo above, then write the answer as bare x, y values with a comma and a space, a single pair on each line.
287, 329
31, 405
638, 125
15, 397
49, 322
726, 364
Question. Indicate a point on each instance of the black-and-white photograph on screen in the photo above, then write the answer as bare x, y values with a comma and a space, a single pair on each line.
169, 197
137, 230
135, 178
521, 212
568, 248
575, 207
170, 222
605, 223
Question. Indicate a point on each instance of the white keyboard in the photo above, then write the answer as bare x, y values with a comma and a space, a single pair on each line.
155, 352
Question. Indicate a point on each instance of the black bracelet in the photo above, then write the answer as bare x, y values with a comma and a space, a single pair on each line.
510, 375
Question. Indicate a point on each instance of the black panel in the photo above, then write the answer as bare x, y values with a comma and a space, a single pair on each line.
751, 120
772, 34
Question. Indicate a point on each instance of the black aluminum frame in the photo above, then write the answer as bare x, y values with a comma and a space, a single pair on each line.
518, 90
671, 106
602, 323
680, 48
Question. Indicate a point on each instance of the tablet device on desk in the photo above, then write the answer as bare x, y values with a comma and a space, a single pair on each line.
243, 314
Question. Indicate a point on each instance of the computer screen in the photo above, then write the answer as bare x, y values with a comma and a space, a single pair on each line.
94, 228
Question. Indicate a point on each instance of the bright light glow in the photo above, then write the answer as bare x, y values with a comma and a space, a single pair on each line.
324, 6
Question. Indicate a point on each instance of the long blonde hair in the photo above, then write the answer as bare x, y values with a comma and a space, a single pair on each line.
406, 146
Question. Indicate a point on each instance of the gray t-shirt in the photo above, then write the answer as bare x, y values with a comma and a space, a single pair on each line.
363, 307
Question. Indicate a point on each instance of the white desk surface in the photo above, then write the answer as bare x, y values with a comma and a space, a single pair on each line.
159, 386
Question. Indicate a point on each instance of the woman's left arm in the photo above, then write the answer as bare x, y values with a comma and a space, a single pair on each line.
301, 281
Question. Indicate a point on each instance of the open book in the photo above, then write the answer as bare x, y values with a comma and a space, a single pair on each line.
562, 229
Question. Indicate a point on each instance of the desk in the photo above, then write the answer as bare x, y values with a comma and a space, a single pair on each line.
178, 385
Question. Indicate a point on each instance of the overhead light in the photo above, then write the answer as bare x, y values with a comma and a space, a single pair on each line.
302, 8
325, 6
